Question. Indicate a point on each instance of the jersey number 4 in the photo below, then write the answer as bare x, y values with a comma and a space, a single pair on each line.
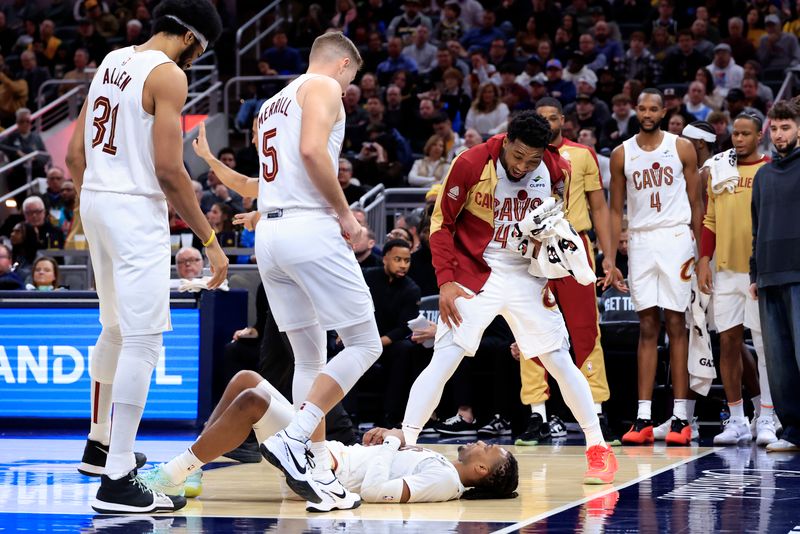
269, 172
99, 122
655, 201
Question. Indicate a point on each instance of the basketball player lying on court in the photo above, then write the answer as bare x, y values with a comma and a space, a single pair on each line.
385, 472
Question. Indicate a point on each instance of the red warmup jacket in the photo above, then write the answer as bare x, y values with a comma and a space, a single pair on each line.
462, 224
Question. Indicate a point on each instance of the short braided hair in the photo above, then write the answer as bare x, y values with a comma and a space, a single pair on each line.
499, 484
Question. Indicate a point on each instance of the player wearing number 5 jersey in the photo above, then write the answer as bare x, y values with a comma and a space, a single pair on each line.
311, 277
126, 157
658, 171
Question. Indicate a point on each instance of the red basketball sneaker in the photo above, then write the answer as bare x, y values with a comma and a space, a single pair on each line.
680, 433
602, 465
641, 433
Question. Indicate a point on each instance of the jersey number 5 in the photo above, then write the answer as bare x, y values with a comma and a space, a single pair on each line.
271, 153
99, 122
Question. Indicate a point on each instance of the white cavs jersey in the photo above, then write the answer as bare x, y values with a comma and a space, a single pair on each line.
118, 132
512, 201
656, 187
284, 182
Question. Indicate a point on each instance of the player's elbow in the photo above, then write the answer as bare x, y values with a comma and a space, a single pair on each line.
167, 173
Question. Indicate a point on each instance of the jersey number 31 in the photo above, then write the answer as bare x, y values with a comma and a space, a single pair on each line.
99, 122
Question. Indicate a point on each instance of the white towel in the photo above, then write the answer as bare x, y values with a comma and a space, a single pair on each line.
198, 284
562, 252
724, 172
701, 360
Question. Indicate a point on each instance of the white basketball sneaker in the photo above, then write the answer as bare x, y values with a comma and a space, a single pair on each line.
660, 432
292, 456
735, 431
334, 495
765, 431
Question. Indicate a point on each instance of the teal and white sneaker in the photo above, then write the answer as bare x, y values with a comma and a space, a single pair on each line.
157, 480
193, 486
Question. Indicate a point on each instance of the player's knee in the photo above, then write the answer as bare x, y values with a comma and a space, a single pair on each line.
146, 347
105, 355
649, 327
252, 404
675, 323
111, 335
245, 379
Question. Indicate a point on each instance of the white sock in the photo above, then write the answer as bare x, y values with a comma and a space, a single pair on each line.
539, 408
767, 411
679, 408
120, 460
594, 436
322, 457
598, 408
410, 433
305, 421
756, 406
644, 409
183, 465
101, 399
737, 409
690, 409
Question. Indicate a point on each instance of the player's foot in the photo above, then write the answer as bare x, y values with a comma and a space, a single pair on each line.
765, 431
735, 431
93, 463
292, 456
458, 426
660, 432
602, 465
608, 434
498, 426
130, 495
157, 480
536, 432
641, 433
602, 507
193, 486
557, 427
783, 445
429, 429
334, 495
680, 433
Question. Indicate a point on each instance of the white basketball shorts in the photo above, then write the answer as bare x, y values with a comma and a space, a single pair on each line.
524, 302
660, 267
129, 245
310, 273
732, 303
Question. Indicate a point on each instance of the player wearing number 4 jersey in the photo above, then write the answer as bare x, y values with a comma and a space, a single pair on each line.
657, 172
311, 277
126, 158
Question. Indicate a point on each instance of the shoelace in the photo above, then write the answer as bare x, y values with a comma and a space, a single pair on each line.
142, 485
310, 458
595, 456
453, 420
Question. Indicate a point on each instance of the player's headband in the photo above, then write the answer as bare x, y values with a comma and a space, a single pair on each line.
693, 132
199, 36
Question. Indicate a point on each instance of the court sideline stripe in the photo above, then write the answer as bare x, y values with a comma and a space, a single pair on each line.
584, 500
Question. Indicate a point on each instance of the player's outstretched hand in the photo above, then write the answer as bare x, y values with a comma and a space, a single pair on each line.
377, 435
249, 220
448, 311
351, 228
200, 144
219, 264
704, 277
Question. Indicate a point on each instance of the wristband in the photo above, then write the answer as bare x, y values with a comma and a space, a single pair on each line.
210, 239
393, 442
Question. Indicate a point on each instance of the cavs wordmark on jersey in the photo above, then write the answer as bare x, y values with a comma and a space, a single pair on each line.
656, 187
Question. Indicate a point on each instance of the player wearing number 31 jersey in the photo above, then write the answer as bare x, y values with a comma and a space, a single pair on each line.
126, 157
659, 173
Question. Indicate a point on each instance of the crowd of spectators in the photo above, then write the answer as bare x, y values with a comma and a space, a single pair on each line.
439, 77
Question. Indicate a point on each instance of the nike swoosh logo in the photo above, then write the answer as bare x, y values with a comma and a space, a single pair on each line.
301, 469
101, 449
634, 157
341, 496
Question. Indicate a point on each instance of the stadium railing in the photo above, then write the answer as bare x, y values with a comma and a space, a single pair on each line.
243, 46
